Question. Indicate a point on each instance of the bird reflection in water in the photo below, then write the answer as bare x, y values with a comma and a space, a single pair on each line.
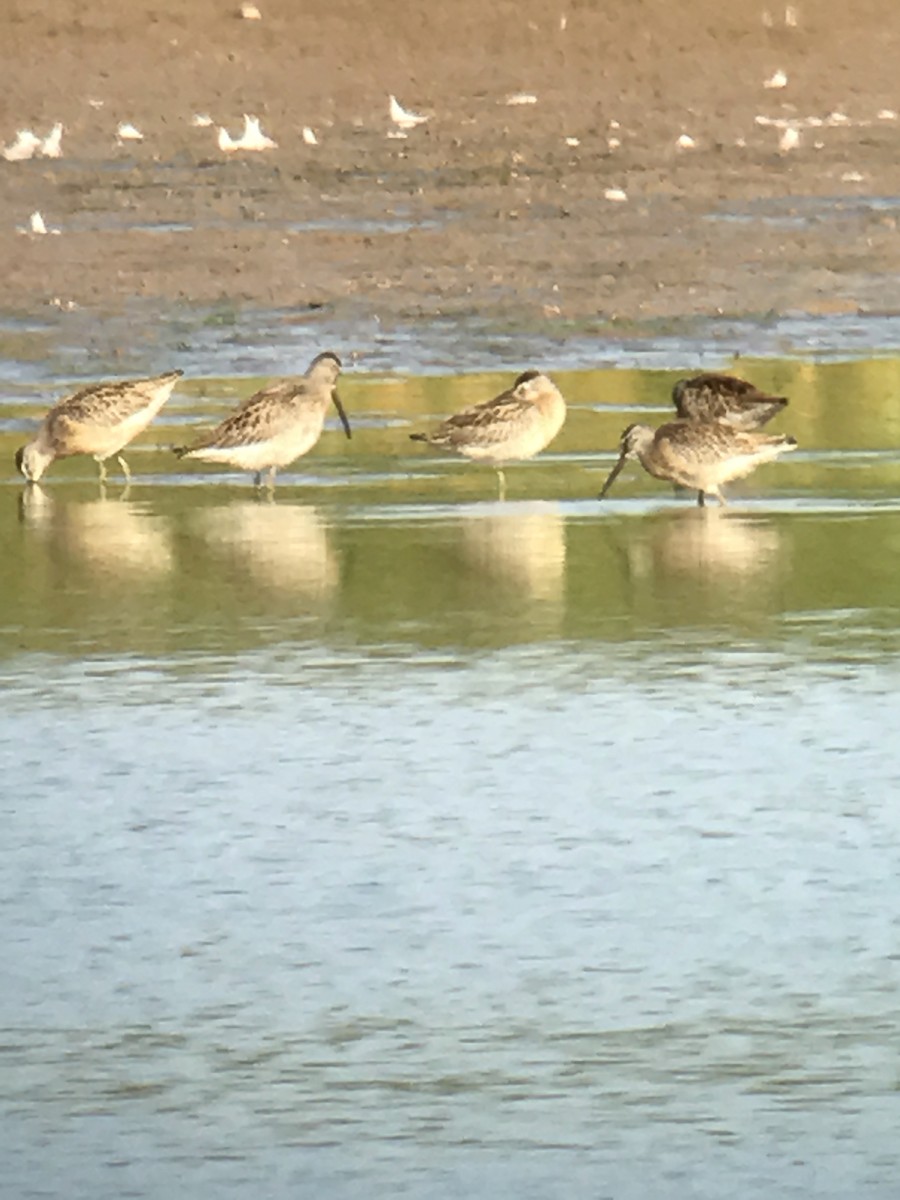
522, 547
707, 543
114, 538
283, 547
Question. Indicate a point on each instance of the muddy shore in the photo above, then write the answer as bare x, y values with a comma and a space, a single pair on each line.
490, 210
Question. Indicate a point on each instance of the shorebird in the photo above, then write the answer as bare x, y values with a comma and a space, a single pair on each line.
275, 425
24, 147
126, 132
51, 146
402, 117
36, 226
517, 424
252, 138
727, 399
99, 420
697, 455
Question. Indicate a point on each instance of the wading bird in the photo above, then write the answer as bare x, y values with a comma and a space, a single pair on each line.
515, 425
725, 398
275, 425
99, 420
696, 455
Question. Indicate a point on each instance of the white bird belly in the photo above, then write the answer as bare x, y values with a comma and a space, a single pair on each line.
258, 456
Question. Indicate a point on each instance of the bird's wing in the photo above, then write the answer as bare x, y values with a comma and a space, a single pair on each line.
103, 403
258, 418
489, 421
709, 443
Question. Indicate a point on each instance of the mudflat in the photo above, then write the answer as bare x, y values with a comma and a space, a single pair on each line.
548, 184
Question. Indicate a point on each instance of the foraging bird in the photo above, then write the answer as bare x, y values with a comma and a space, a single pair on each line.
275, 425
725, 398
517, 424
99, 420
696, 455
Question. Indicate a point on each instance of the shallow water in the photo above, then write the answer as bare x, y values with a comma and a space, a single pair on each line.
61, 345
385, 839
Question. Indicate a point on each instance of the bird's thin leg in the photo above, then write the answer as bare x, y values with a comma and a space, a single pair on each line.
124, 465
101, 464
721, 499
501, 480
257, 479
270, 485
701, 500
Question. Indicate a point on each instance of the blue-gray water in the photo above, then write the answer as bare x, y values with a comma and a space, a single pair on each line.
389, 841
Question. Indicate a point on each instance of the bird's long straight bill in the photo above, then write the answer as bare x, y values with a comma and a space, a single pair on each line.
611, 477
337, 404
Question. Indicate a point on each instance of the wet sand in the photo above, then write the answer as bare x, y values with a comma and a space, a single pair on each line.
490, 211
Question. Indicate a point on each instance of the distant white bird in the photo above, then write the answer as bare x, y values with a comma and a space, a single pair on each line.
837, 118
126, 132
613, 143
886, 114
252, 138
685, 142
51, 146
402, 116
778, 80
517, 98
615, 195
573, 141
37, 226
790, 16
201, 120
789, 140
22, 148
96, 103
250, 12
309, 136
851, 177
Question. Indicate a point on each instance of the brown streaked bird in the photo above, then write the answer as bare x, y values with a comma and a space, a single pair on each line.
515, 425
275, 425
99, 420
697, 455
725, 398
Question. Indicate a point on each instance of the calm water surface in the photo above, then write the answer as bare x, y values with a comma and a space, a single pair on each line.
389, 840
